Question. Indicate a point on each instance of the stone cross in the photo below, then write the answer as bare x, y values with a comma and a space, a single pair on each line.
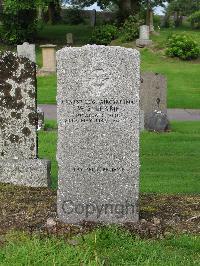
153, 101
27, 50
98, 134
49, 58
144, 37
19, 163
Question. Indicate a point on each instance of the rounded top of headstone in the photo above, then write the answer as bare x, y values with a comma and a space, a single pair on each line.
26, 43
98, 48
144, 26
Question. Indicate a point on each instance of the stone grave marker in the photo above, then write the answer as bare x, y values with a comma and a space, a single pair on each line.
153, 101
49, 58
98, 134
27, 50
144, 37
93, 17
70, 41
19, 163
40, 115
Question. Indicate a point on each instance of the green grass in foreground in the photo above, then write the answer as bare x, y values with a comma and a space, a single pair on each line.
107, 246
169, 161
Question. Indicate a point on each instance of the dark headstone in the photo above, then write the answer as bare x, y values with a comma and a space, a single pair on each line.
18, 123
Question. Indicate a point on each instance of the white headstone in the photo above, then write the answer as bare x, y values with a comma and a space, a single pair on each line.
144, 32
144, 37
27, 50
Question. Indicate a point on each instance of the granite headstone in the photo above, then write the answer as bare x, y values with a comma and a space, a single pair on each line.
98, 134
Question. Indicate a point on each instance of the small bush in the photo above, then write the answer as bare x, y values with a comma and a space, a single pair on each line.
104, 34
182, 46
72, 16
130, 29
195, 19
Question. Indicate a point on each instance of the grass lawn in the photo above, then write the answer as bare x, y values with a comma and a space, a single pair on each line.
169, 161
47, 89
183, 80
107, 246
183, 77
56, 34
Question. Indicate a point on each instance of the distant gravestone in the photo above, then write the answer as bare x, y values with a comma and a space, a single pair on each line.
48, 58
98, 134
93, 17
27, 50
153, 101
70, 41
144, 37
18, 124
40, 115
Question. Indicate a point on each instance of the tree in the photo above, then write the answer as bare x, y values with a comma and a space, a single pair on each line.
149, 5
125, 7
19, 20
52, 8
180, 8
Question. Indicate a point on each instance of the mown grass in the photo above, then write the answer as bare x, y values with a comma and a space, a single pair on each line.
183, 80
182, 77
105, 246
47, 89
56, 34
169, 161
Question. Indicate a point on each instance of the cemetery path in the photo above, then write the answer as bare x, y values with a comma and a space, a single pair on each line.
173, 114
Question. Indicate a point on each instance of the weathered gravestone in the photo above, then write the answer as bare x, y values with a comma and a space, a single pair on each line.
153, 101
69, 39
48, 58
144, 37
93, 17
18, 124
27, 50
98, 134
40, 115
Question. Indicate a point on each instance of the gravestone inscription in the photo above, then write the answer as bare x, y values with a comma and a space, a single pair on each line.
98, 134
18, 124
